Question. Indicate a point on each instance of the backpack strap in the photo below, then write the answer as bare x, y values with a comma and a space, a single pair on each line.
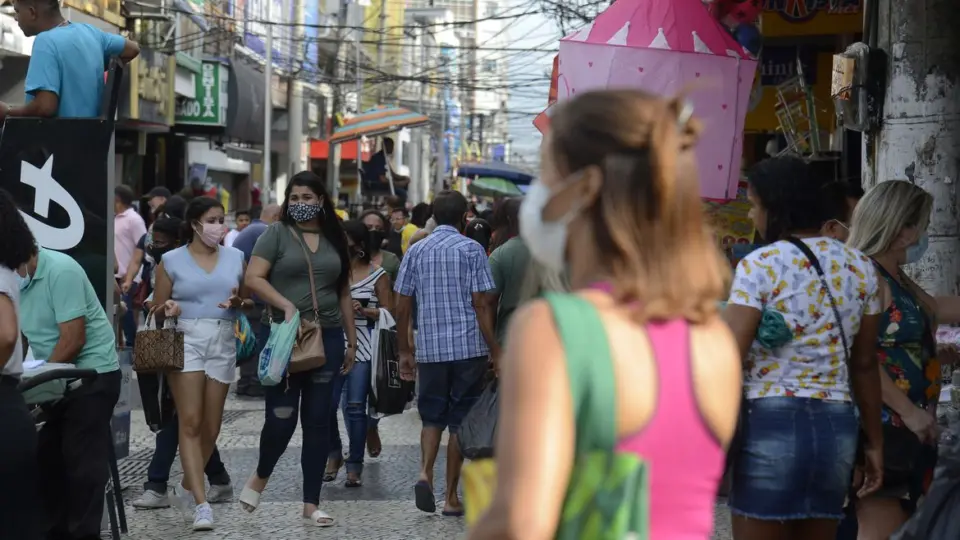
590, 369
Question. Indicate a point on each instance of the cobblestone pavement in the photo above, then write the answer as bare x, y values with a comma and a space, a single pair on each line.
382, 508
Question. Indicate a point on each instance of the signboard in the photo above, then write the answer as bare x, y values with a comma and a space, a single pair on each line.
149, 84
811, 17
255, 31
56, 171
210, 106
779, 64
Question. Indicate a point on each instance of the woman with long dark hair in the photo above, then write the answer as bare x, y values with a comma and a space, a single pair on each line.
201, 285
377, 226
19, 508
308, 237
370, 290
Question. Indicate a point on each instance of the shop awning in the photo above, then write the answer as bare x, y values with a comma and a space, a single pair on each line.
246, 99
348, 150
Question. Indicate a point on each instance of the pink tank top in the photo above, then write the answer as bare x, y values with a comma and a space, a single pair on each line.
686, 459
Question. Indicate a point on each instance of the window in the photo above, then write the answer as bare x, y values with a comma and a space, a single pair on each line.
490, 65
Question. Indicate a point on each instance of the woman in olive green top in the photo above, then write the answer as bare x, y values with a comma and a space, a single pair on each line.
279, 273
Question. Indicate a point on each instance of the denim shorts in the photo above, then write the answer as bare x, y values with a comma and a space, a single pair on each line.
796, 459
447, 391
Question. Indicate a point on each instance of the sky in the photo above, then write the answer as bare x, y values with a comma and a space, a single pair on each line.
529, 74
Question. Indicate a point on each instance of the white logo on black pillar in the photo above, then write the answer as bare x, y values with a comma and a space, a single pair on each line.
49, 191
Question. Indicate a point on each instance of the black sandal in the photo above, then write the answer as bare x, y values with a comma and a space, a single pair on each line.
353, 482
331, 473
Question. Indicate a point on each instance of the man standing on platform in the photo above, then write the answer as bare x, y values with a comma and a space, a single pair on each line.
65, 76
249, 385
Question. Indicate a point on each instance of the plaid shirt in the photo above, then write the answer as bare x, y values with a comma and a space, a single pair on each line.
442, 271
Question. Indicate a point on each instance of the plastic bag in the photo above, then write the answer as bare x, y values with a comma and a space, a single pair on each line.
390, 394
479, 429
275, 357
937, 517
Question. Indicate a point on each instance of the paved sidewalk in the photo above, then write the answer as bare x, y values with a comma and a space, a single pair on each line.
382, 508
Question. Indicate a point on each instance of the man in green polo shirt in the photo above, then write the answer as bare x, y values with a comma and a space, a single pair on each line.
62, 319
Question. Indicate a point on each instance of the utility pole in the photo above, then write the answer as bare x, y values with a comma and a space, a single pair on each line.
268, 108
295, 93
380, 40
333, 158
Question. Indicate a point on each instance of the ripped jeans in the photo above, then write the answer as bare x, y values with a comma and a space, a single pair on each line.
309, 396
354, 389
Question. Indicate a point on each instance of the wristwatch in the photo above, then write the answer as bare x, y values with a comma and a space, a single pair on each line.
351, 346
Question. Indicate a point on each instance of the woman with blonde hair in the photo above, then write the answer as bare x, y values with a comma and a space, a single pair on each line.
890, 226
618, 193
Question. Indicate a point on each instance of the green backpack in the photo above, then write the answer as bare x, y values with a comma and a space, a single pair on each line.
608, 494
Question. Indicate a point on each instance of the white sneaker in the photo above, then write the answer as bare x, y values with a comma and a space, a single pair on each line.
203, 518
152, 499
220, 494
182, 499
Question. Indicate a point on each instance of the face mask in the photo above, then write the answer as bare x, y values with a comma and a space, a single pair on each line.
212, 233
547, 241
375, 239
24, 281
302, 212
916, 251
157, 252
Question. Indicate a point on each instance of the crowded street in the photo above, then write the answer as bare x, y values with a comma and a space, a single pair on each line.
382, 509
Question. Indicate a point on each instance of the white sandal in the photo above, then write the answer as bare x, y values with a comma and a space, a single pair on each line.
319, 518
249, 499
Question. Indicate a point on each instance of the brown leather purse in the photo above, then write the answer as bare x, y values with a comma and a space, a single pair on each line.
308, 352
158, 349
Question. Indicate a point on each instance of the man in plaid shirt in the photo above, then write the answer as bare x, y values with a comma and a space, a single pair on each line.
449, 275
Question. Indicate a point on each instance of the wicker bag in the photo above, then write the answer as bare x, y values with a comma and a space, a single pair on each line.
158, 349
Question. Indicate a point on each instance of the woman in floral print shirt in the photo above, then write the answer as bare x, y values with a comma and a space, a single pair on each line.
799, 429
889, 225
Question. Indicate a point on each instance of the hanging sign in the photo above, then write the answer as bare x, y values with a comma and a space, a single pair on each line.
209, 108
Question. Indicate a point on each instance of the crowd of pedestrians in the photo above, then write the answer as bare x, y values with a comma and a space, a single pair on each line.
809, 375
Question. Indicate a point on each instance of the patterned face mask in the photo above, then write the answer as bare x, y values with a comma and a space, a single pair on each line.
302, 212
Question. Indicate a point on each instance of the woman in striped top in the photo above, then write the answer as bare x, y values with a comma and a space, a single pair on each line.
370, 289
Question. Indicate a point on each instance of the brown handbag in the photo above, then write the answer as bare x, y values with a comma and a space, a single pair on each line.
158, 349
308, 350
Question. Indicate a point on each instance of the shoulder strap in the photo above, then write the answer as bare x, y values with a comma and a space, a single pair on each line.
815, 263
313, 285
590, 369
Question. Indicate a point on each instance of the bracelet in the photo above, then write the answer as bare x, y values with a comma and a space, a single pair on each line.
351, 346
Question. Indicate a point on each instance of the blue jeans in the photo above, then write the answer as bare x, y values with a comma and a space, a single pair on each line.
307, 395
353, 389
128, 323
158, 473
796, 459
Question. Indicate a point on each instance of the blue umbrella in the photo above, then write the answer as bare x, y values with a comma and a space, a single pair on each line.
495, 169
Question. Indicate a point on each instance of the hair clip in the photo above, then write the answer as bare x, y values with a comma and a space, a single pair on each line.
685, 114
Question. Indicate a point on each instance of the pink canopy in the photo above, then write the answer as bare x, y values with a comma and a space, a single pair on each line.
668, 47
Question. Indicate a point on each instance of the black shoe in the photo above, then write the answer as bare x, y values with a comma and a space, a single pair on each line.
255, 391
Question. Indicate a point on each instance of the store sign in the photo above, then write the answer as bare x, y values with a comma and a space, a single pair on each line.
209, 107
811, 17
803, 10
779, 64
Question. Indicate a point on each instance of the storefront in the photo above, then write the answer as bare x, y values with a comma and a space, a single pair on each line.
15, 49
808, 33
145, 111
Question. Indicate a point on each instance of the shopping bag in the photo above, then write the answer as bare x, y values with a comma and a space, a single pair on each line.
246, 339
275, 357
389, 393
158, 349
479, 428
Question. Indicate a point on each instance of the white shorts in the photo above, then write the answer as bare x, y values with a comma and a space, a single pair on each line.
209, 345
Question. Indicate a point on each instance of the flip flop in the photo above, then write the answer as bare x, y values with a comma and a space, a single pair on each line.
331, 475
424, 497
319, 518
353, 483
452, 513
374, 444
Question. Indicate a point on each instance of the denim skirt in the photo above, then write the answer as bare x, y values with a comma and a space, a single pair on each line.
795, 460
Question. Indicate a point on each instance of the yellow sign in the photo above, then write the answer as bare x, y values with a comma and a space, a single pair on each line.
811, 17
730, 220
